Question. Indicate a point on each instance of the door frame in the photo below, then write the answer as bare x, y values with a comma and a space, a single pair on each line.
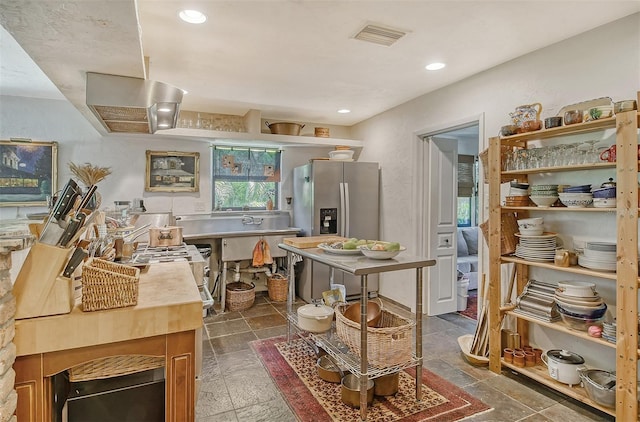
421, 177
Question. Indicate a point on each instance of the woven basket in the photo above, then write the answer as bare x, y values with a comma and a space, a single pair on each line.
505, 150
509, 228
107, 285
114, 366
278, 286
240, 296
388, 345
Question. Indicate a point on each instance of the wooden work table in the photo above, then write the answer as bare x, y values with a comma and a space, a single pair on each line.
162, 324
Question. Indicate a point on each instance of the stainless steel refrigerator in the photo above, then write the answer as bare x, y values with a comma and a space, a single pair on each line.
341, 198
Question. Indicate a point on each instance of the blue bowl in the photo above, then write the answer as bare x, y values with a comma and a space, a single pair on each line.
595, 314
605, 192
576, 189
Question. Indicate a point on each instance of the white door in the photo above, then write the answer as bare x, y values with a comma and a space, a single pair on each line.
441, 205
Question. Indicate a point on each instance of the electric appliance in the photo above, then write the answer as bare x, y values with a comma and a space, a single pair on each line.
341, 198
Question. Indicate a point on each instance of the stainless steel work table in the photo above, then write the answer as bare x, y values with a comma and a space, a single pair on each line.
362, 266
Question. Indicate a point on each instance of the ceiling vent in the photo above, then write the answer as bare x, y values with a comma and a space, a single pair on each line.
379, 35
132, 105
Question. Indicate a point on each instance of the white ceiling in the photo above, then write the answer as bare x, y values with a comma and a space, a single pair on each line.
293, 59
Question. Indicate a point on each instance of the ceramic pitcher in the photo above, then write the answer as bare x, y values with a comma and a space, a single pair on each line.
526, 112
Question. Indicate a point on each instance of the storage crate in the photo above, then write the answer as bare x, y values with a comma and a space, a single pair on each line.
107, 285
388, 345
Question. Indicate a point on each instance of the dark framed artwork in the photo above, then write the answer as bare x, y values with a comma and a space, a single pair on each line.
28, 172
172, 171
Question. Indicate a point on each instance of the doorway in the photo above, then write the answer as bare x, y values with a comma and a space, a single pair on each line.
450, 193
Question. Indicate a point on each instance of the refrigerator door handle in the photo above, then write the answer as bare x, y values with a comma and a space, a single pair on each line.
342, 210
346, 211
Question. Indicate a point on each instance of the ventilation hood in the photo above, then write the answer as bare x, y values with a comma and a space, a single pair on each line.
132, 105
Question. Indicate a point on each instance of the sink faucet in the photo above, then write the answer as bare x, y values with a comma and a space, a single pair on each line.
249, 219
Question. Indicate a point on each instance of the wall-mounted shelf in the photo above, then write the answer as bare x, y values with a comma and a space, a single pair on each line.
252, 126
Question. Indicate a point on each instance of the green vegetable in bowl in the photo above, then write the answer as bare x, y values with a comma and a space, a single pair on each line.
349, 245
392, 247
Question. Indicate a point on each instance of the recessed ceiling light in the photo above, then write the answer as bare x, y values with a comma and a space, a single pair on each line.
435, 66
344, 111
192, 16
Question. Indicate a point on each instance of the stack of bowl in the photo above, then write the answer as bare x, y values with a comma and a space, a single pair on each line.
531, 226
518, 195
576, 196
609, 331
544, 195
579, 304
604, 197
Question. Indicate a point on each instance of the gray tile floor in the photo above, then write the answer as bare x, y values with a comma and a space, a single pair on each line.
236, 387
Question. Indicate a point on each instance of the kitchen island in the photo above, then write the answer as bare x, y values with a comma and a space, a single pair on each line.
163, 324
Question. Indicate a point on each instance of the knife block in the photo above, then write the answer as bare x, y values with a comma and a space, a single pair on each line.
40, 289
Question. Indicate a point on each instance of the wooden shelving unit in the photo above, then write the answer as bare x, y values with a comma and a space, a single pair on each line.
625, 276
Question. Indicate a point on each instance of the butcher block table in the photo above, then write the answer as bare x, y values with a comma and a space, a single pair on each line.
162, 324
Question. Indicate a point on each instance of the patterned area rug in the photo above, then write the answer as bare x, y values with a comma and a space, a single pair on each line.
472, 305
292, 367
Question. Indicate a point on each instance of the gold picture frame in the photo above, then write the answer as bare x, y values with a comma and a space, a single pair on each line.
28, 172
172, 171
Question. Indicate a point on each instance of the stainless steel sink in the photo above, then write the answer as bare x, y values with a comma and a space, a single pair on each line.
235, 224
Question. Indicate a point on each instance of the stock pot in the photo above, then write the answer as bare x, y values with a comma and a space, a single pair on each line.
315, 317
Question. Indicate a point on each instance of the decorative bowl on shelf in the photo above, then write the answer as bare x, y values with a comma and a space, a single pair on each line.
544, 201
555, 121
576, 200
571, 117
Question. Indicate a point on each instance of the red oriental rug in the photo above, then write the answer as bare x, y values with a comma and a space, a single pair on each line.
292, 367
472, 305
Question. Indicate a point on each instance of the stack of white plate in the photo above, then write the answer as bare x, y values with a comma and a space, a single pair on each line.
599, 256
609, 331
537, 248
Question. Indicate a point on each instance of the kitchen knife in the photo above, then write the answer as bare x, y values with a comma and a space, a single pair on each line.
76, 258
67, 199
72, 228
86, 198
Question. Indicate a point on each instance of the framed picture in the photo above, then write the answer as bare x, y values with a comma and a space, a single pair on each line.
171, 171
28, 172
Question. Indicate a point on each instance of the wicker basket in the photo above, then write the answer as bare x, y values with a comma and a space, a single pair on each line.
505, 150
278, 286
387, 345
509, 228
114, 366
107, 285
240, 296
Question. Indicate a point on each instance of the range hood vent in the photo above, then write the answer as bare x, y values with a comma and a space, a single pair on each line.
132, 105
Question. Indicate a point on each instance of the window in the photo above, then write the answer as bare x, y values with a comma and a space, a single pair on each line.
245, 178
467, 190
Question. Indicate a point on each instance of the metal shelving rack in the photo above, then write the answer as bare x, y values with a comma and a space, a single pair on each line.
361, 266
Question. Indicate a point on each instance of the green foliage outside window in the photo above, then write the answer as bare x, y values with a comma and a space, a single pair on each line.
245, 178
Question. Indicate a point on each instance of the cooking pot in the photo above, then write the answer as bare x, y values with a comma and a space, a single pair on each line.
284, 128
329, 370
350, 390
165, 236
600, 386
564, 366
387, 385
315, 317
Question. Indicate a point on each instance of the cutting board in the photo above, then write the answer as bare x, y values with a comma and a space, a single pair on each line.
311, 241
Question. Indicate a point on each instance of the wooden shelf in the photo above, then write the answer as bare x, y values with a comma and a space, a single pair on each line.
540, 374
594, 126
626, 278
562, 327
586, 209
574, 269
538, 170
